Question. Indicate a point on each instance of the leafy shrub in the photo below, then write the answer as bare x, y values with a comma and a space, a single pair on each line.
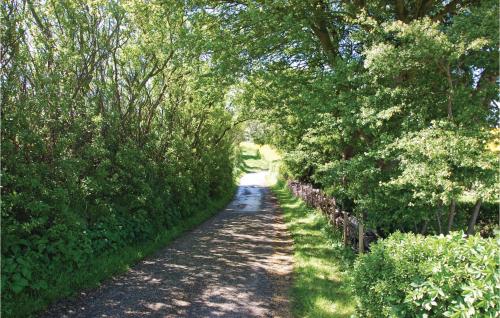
408, 275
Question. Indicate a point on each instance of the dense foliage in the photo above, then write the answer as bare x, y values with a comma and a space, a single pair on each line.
410, 275
388, 106
113, 130
118, 117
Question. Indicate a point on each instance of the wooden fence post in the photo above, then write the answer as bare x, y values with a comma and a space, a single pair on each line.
345, 228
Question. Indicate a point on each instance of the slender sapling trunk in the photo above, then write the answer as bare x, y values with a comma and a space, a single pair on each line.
473, 218
451, 215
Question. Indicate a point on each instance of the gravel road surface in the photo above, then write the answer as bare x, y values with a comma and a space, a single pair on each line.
237, 264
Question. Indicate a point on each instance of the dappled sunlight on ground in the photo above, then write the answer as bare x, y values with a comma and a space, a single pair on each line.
238, 264
320, 284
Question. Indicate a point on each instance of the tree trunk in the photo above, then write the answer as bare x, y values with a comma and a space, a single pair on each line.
473, 218
451, 215
450, 92
345, 229
438, 217
401, 13
361, 238
423, 231
325, 35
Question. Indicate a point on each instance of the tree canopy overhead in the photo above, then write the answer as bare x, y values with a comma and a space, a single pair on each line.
119, 118
388, 105
113, 131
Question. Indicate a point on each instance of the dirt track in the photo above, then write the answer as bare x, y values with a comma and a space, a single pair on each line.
237, 264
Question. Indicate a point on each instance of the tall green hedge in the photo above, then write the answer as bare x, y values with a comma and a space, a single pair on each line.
408, 275
113, 131
57, 223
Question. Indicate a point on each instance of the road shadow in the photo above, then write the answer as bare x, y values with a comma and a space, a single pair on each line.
237, 264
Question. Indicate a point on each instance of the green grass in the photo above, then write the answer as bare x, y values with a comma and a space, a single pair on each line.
250, 159
108, 265
321, 263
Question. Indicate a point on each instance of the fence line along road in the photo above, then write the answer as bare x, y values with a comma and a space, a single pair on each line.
352, 231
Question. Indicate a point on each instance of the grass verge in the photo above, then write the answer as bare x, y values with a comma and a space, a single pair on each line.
107, 265
321, 263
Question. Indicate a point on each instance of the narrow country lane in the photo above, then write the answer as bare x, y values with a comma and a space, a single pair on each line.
237, 264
